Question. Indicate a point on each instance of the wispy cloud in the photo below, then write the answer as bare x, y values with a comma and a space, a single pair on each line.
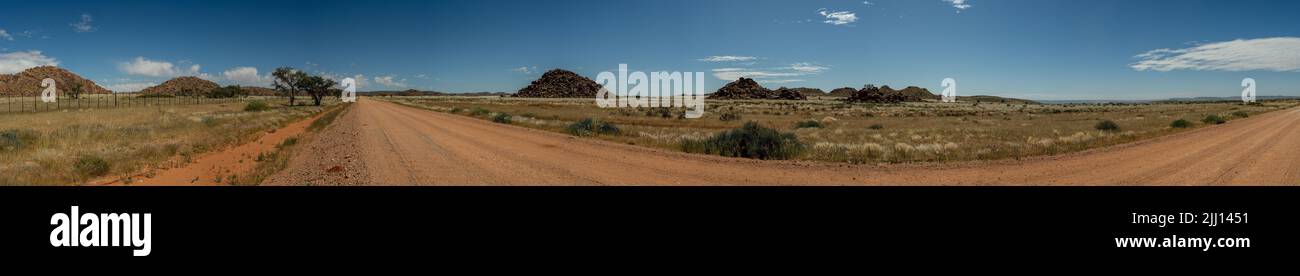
145, 67
838, 17
5, 35
1281, 54
525, 70
83, 26
727, 58
959, 4
390, 82
786, 74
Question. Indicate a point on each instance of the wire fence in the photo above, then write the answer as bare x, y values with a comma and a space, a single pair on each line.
15, 104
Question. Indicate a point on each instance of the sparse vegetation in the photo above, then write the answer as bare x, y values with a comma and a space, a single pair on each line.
1241, 114
91, 166
589, 126
808, 124
749, 141
255, 106
1213, 120
478, 111
867, 132
502, 118
1107, 125
1180, 123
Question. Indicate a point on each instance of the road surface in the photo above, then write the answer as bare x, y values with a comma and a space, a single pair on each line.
400, 145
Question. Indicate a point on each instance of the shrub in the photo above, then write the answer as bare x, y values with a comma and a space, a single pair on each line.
876, 127
589, 126
17, 139
1180, 123
1107, 125
729, 115
1241, 114
748, 141
91, 166
455, 110
808, 124
501, 118
289, 142
1214, 120
255, 106
478, 111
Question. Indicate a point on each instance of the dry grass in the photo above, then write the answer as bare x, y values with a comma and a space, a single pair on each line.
46, 146
863, 133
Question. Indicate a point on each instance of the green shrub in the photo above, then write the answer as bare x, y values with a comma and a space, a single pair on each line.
17, 139
288, 142
478, 111
501, 118
1214, 120
876, 126
1180, 123
729, 115
91, 166
255, 106
455, 109
748, 141
1241, 114
1107, 125
589, 126
808, 124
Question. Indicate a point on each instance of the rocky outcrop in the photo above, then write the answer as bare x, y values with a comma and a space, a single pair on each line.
560, 83
843, 92
182, 86
809, 92
788, 94
873, 94
28, 82
741, 89
917, 94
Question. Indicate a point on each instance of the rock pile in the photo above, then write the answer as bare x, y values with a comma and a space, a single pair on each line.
741, 89
809, 92
182, 86
560, 83
916, 94
873, 94
843, 92
788, 94
28, 82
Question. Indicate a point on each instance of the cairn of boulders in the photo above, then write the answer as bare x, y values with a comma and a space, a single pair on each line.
748, 89
560, 83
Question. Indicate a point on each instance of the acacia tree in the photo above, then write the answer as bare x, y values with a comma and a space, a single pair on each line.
318, 87
289, 81
74, 90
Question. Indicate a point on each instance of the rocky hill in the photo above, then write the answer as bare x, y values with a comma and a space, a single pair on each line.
748, 89
28, 82
560, 83
810, 92
916, 94
182, 86
843, 92
873, 94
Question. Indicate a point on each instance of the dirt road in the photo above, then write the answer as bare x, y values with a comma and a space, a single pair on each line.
401, 145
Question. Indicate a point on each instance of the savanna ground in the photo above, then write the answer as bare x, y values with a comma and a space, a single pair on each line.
75, 145
833, 131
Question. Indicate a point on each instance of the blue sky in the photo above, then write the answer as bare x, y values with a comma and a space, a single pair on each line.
1038, 49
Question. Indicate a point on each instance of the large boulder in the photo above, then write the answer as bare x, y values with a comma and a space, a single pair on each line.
560, 83
182, 86
28, 82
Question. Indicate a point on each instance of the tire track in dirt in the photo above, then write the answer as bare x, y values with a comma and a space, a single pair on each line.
402, 145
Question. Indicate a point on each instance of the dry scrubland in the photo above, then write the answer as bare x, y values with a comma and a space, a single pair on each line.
833, 131
73, 146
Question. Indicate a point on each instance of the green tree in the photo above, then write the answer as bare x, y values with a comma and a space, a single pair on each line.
317, 87
289, 81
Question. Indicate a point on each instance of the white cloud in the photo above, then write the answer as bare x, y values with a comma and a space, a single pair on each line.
246, 76
422, 76
807, 67
15, 62
1280, 54
959, 4
130, 87
389, 82
838, 17
145, 67
525, 70
83, 26
784, 80
5, 35
727, 58
731, 74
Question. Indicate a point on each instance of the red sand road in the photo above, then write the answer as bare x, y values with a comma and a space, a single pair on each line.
401, 145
